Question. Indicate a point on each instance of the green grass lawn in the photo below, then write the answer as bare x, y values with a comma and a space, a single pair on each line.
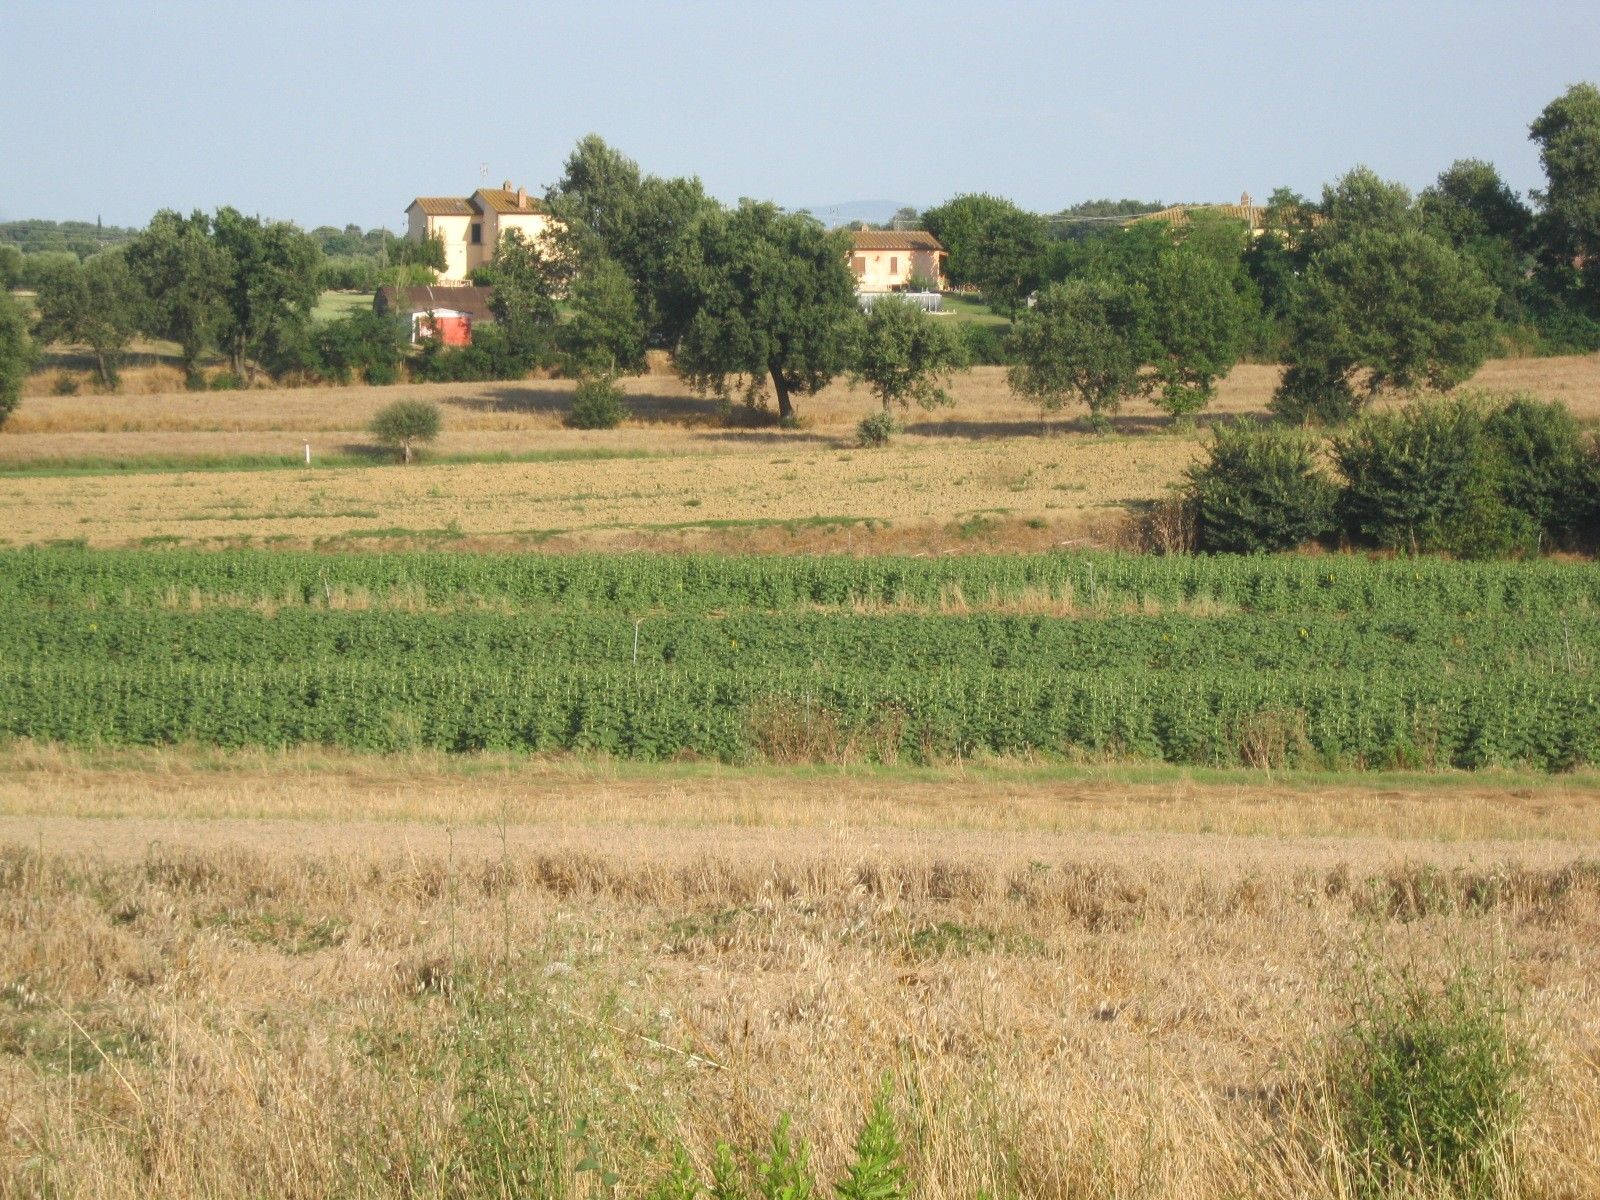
333, 305
971, 310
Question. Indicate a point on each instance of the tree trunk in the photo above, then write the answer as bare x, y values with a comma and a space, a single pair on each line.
405, 448
785, 408
100, 365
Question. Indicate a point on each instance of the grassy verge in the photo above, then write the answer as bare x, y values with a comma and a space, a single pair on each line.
170, 464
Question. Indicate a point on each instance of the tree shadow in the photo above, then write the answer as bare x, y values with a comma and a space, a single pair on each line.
537, 398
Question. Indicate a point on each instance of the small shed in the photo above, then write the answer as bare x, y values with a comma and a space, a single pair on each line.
448, 313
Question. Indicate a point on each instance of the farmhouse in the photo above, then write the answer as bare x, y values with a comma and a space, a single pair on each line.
471, 227
1248, 213
886, 260
449, 312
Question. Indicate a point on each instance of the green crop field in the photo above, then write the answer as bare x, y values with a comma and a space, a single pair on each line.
1343, 663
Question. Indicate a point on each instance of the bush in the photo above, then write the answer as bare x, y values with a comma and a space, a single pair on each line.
1427, 477
1543, 464
66, 384
225, 381
1313, 395
598, 403
876, 429
1260, 490
17, 354
985, 345
406, 424
1426, 1086
491, 356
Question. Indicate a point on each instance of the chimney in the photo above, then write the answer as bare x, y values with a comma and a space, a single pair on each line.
522, 197
506, 186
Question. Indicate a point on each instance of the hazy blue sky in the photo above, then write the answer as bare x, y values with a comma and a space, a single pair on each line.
339, 110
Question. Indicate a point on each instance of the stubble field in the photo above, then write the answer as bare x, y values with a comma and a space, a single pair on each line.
982, 474
312, 975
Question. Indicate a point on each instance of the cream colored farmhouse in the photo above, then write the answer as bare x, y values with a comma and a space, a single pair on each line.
886, 260
472, 226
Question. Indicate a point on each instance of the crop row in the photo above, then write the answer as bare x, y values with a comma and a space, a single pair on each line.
697, 583
810, 640
1332, 719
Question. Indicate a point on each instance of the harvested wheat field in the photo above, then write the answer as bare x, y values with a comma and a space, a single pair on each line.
315, 975
986, 469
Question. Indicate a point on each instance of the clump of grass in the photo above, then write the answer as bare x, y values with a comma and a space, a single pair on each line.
1426, 1083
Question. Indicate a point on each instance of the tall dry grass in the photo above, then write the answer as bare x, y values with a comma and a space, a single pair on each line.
220, 1008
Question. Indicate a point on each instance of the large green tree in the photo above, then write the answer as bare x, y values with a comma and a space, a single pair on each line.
1082, 341
1568, 133
995, 246
270, 289
528, 276
95, 304
16, 353
613, 210
1195, 326
605, 333
1380, 308
772, 297
905, 356
184, 273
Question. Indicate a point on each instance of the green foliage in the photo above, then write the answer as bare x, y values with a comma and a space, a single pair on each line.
1568, 134
270, 288
1315, 393
528, 276
876, 429
349, 274
185, 275
680, 1181
597, 403
605, 333
773, 297
983, 345
994, 246
1195, 321
1544, 466
366, 344
727, 1179
425, 252
1427, 1085
81, 239
1378, 663
1081, 342
17, 354
1260, 490
493, 354
785, 1172
10, 267
1425, 478
96, 304
1392, 308
405, 424
905, 356
226, 381
877, 1168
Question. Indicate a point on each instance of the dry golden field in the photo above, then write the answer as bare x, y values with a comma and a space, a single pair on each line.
324, 976
987, 468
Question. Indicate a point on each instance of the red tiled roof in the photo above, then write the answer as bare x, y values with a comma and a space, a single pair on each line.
442, 206
894, 239
502, 200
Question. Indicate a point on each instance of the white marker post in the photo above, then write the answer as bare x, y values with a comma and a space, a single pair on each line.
308, 454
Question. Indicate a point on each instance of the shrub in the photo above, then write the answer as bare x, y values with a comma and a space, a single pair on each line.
597, 404
985, 345
1426, 477
1314, 395
877, 1166
225, 381
405, 424
1260, 490
1425, 1084
66, 384
1543, 464
492, 355
876, 429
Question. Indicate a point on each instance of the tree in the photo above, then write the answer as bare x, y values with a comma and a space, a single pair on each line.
1261, 489
1195, 328
612, 210
1386, 308
1360, 200
1568, 133
904, 356
10, 267
605, 333
1082, 341
428, 253
184, 274
16, 353
995, 246
96, 304
527, 279
271, 286
772, 296
405, 424
1472, 209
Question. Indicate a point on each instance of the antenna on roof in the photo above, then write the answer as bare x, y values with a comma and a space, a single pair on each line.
483, 173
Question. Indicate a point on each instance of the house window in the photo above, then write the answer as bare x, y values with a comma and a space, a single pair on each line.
894, 266
858, 265
477, 233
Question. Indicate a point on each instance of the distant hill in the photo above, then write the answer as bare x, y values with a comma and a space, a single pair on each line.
848, 212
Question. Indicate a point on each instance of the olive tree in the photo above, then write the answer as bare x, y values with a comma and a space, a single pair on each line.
16, 353
95, 304
1082, 341
905, 356
406, 424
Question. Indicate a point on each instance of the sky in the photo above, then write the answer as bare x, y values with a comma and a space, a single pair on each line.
341, 111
